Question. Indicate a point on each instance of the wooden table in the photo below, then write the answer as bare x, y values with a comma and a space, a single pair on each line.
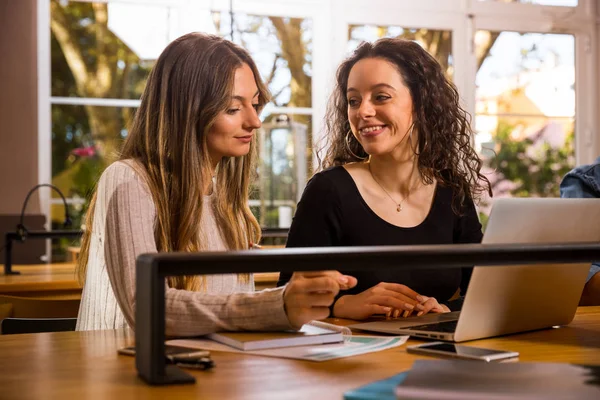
86, 365
59, 281
265, 280
41, 281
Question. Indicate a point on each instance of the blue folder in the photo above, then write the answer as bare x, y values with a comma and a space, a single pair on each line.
378, 390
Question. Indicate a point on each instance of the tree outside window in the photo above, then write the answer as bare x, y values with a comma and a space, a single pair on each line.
92, 58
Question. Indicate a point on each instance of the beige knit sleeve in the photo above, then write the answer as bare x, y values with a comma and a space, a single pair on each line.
129, 227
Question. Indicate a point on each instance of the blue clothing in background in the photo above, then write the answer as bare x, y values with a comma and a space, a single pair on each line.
583, 182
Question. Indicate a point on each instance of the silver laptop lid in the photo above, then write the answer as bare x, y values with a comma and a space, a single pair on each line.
502, 300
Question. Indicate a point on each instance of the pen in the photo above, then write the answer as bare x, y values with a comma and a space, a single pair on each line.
255, 246
188, 356
199, 360
203, 363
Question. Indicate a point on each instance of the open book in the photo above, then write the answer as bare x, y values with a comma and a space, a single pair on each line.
315, 332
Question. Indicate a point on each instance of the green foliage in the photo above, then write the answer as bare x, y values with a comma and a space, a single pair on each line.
72, 125
128, 72
483, 219
70, 130
535, 168
532, 165
88, 173
272, 217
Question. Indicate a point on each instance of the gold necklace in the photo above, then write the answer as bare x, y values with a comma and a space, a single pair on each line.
398, 205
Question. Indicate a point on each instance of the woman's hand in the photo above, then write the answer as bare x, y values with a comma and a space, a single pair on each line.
382, 298
308, 295
430, 304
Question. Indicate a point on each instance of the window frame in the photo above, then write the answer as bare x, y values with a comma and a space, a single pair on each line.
330, 26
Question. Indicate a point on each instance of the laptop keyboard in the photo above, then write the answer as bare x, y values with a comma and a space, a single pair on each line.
447, 326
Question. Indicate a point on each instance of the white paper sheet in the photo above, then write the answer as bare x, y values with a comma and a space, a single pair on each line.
352, 346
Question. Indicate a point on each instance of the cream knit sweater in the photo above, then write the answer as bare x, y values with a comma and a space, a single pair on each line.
123, 228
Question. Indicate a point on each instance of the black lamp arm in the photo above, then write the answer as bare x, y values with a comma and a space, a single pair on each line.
21, 229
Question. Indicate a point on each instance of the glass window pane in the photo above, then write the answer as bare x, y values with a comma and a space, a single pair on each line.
437, 42
531, 156
284, 166
565, 3
525, 110
96, 50
282, 50
85, 139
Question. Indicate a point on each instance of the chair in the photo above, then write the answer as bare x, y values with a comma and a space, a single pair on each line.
30, 307
32, 315
10, 326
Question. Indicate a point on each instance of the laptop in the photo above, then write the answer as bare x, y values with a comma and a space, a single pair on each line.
510, 299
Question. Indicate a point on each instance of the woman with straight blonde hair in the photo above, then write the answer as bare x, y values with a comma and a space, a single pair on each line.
182, 184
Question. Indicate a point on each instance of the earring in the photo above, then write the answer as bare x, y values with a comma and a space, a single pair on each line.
347, 140
412, 127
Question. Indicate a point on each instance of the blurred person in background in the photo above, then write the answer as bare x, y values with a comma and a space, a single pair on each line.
584, 182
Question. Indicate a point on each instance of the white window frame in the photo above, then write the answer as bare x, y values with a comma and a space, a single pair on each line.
312, 9
46, 100
330, 26
465, 17
403, 15
44, 109
316, 10
529, 19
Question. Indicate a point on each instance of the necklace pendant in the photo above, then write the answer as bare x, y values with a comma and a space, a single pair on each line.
399, 208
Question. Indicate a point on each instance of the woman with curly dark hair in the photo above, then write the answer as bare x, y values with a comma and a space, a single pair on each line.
399, 170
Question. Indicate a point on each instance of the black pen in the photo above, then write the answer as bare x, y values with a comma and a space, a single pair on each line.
203, 363
196, 360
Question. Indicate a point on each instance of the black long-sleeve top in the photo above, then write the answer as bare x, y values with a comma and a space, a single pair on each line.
333, 213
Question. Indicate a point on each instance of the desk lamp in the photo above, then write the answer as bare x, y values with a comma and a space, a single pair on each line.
22, 233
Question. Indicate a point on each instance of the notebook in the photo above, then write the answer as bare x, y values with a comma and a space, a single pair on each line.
315, 332
465, 380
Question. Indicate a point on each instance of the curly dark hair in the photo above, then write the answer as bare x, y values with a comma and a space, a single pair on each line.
444, 151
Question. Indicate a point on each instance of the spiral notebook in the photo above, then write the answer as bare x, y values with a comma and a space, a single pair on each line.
315, 332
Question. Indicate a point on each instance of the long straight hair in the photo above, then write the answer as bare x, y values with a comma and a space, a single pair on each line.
190, 84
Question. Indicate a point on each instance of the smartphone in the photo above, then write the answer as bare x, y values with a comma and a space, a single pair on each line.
460, 351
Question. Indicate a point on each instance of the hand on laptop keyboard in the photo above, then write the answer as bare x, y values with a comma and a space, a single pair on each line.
380, 299
428, 304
